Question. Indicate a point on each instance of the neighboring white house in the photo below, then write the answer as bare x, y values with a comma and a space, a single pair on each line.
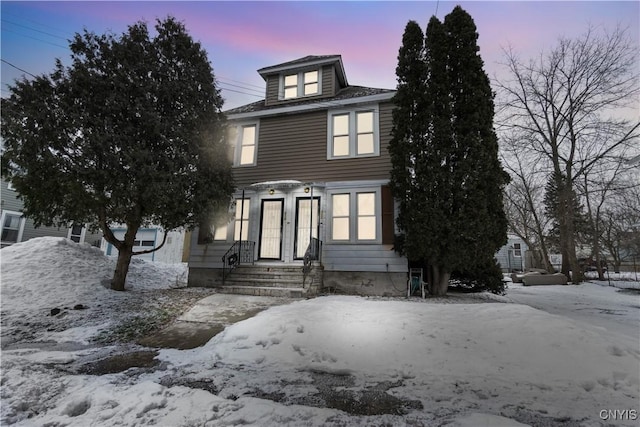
512, 255
149, 238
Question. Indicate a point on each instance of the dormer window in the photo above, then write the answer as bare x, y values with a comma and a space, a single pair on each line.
297, 85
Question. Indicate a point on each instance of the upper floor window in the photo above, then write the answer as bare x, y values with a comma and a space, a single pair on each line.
244, 141
305, 83
353, 134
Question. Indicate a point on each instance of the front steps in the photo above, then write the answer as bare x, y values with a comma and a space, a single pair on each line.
274, 280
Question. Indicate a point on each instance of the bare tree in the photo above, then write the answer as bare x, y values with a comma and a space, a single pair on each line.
524, 205
620, 223
606, 182
562, 108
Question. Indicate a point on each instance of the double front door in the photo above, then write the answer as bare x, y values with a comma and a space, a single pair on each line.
277, 231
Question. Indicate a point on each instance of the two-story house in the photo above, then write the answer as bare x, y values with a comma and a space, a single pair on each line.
311, 167
15, 228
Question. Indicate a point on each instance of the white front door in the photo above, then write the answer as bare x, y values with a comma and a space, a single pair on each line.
306, 224
271, 229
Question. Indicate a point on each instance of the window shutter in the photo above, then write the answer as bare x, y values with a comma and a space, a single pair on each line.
387, 216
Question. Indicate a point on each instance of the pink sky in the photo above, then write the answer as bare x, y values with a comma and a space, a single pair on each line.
241, 37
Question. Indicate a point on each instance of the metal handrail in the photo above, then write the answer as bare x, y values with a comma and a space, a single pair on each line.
311, 254
241, 252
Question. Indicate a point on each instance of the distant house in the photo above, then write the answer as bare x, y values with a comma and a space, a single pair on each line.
512, 256
16, 228
149, 238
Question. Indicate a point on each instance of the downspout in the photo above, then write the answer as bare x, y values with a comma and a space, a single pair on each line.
311, 217
241, 224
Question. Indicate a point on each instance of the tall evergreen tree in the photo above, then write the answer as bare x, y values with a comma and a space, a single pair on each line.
455, 219
131, 133
409, 124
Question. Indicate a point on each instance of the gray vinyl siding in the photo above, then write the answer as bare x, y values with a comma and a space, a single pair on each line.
10, 202
377, 258
206, 256
295, 147
328, 85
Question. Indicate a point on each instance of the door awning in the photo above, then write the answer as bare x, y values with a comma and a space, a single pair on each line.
283, 184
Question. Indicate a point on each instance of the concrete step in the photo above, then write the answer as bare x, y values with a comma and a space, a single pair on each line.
264, 291
242, 280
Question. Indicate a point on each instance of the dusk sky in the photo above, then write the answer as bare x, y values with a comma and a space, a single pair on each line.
241, 37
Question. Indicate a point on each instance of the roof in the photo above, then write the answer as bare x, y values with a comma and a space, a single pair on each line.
309, 59
348, 92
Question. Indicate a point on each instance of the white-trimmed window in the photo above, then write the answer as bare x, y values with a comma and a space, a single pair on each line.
340, 222
355, 216
12, 227
300, 84
244, 141
77, 233
241, 219
517, 250
353, 134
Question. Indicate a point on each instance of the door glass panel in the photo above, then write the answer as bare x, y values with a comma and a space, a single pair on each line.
304, 219
271, 229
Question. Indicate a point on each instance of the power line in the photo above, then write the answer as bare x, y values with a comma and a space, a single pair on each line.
18, 68
243, 83
59, 30
34, 38
33, 29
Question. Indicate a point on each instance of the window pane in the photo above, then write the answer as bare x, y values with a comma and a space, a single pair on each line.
246, 156
341, 124
12, 221
341, 146
76, 230
365, 122
245, 230
310, 89
75, 239
311, 77
291, 80
220, 232
365, 144
291, 92
366, 204
340, 205
9, 235
340, 227
239, 210
249, 135
367, 228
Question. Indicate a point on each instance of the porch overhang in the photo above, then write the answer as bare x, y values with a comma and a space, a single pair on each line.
284, 184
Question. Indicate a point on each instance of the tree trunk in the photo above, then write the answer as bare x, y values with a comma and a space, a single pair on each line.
125, 252
122, 268
440, 281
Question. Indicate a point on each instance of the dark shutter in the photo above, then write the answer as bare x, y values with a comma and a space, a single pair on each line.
387, 216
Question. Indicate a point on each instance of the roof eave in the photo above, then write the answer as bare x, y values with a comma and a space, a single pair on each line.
320, 105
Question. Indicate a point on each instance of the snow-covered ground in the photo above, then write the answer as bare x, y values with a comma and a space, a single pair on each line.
466, 360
